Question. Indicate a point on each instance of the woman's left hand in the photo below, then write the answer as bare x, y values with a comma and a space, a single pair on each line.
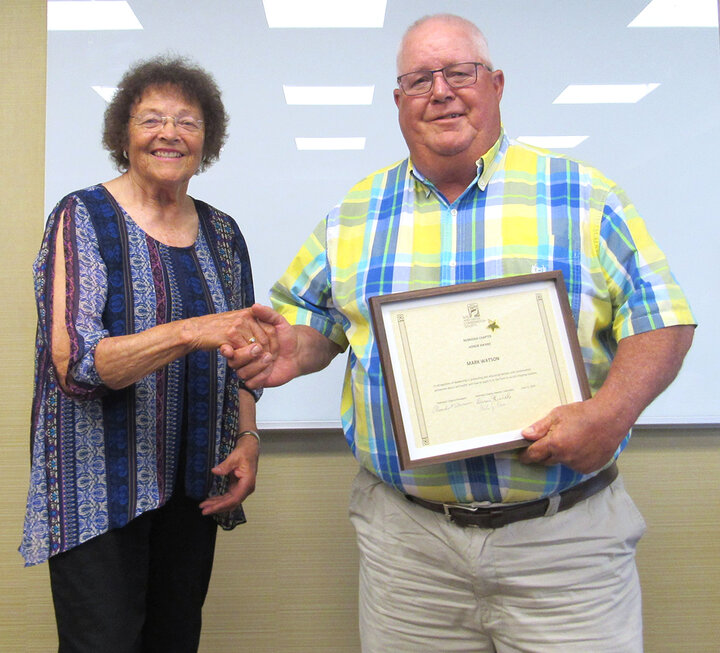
241, 469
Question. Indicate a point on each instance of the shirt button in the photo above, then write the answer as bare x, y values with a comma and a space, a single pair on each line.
453, 213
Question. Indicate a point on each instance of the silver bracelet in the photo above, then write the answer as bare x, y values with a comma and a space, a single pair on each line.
255, 434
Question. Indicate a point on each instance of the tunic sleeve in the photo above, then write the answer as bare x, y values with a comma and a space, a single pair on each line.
85, 295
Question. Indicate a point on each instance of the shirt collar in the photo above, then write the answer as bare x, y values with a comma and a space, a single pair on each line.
487, 164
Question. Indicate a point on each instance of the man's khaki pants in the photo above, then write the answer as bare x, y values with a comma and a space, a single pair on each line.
565, 583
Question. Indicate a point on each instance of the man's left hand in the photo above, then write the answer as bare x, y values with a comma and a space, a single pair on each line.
581, 435
585, 435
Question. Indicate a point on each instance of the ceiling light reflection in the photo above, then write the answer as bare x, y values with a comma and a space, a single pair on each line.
552, 142
678, 13
604, 93
90, 16
328, 95
324, 13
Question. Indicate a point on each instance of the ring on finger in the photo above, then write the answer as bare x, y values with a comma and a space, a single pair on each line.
252, 340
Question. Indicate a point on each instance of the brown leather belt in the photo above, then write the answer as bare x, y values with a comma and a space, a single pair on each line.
499, 516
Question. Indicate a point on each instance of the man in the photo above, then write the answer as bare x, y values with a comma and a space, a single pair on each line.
553, 568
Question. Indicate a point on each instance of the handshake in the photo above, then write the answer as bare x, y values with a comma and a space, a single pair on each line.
252, 348
266, 351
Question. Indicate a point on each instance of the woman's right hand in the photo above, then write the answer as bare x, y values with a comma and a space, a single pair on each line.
235, 328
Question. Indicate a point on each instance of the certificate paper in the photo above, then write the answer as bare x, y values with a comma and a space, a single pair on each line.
467, 367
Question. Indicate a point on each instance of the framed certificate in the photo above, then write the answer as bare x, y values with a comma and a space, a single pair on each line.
467, 367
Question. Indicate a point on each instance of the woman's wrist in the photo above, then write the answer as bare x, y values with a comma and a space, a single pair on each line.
246, 432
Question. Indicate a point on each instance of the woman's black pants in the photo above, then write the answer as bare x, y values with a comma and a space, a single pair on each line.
137, 589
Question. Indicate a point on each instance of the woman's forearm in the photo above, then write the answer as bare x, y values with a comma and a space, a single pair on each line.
121, 361
246, 405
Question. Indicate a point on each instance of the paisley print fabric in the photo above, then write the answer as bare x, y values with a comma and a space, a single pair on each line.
102, 457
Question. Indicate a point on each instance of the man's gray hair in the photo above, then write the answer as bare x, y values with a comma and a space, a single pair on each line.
483, 51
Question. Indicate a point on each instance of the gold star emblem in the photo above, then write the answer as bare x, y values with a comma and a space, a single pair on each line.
492, 325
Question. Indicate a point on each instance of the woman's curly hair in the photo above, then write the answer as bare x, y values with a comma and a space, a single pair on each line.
194, 83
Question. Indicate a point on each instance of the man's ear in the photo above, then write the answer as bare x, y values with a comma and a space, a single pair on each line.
498, 77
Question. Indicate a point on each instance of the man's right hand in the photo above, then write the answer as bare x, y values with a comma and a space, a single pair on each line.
258, 367
294, 350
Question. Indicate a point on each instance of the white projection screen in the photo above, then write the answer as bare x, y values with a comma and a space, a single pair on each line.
662, 149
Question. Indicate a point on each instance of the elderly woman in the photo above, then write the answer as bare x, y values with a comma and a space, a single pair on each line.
142, 438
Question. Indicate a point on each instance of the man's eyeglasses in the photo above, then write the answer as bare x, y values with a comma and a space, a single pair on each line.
456, 75
152, 122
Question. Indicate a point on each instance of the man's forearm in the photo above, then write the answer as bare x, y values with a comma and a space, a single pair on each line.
314, 350
644, 365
